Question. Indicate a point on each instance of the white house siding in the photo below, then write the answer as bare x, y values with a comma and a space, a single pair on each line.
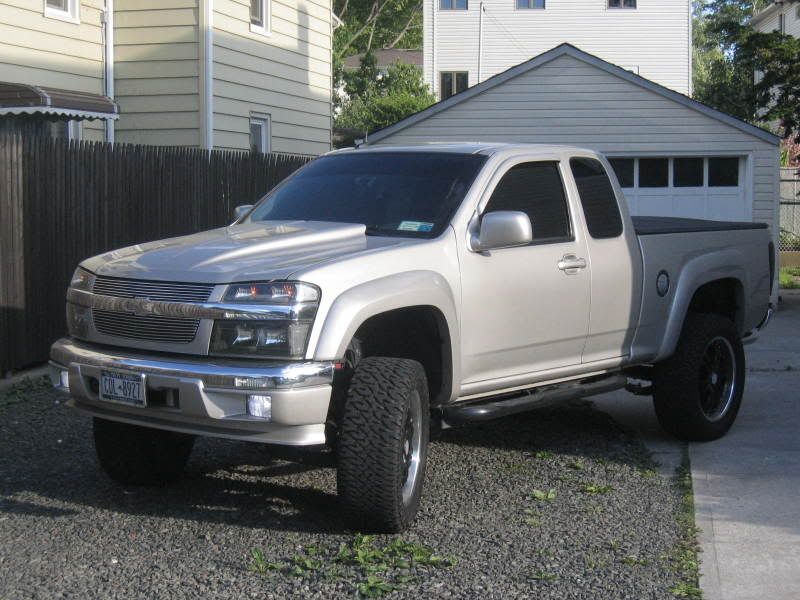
286, 75
568, 101
791, 12
652, 40
157, 72
39, 50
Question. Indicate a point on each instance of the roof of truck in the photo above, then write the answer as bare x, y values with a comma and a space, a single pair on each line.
466, 148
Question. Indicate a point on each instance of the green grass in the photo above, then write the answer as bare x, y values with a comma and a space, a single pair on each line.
790, 278
683, 559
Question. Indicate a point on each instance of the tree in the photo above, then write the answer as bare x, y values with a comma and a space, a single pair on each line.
370, 24
378, 101
752, 75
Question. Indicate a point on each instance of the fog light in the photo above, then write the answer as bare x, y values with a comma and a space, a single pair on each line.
259, 406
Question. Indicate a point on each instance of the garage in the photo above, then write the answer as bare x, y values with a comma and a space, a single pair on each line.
673, 155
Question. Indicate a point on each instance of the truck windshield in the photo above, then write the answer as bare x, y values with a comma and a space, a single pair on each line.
409, 194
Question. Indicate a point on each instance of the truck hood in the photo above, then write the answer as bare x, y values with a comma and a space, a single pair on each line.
247, 252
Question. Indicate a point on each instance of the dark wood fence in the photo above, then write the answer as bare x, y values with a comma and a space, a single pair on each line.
61, 202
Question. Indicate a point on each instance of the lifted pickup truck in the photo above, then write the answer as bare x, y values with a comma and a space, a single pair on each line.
377, 293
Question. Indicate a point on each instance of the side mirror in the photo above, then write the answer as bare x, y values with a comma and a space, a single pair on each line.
241, 211
503, 229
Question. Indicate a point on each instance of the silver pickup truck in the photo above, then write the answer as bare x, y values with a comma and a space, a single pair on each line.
379, 293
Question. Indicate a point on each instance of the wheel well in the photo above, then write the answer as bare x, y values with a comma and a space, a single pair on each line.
723, 297
419, 333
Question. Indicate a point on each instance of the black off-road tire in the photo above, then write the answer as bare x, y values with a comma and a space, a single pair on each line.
681, 381
371, 450
141, 455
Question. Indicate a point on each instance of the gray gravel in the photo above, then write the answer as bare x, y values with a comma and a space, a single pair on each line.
67, 531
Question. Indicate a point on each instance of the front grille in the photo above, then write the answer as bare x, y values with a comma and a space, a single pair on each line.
159, 291
150, 328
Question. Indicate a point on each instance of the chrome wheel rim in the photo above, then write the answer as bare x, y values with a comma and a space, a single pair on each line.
717, 383
412, 446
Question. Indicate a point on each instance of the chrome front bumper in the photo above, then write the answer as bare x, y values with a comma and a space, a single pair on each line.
201, 396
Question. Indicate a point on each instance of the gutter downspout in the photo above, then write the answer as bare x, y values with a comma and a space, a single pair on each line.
207, 74
691, 51
480, 43
108, 26
433, 47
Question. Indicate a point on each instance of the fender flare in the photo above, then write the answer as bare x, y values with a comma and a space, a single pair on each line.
404, 290
697, 272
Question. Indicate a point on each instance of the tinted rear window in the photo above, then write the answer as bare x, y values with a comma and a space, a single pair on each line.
597, 198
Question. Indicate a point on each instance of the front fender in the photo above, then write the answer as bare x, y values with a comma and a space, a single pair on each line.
404, 290
721, 264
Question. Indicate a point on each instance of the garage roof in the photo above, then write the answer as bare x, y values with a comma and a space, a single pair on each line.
20, 99
570, 50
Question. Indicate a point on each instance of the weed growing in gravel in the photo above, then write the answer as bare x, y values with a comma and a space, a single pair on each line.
543, 576
648, 473
532, 518
635, 561
595, 488
24, 388
543, 454
683, 558
543, 496
577, 465
378, 569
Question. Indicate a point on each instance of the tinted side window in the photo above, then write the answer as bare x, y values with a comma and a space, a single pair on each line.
535, 189
597, 198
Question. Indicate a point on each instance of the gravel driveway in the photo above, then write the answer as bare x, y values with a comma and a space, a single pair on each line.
554, 504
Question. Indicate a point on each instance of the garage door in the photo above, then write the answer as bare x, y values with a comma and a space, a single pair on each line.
710, 187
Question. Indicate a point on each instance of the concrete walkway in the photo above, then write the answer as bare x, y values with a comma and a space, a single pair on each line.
747, 485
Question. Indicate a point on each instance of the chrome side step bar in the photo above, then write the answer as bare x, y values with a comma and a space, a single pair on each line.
486, 410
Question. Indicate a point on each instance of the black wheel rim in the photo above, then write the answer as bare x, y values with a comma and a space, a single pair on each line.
717, 382
412, 447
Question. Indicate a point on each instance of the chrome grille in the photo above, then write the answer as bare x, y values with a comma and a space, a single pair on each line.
151, 328
160, 291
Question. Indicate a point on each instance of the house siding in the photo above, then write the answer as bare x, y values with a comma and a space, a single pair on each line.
286, 75
652, 40
568, 101
39, 50
157, 66
791, 12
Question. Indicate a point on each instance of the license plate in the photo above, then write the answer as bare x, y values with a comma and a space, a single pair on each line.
127, 388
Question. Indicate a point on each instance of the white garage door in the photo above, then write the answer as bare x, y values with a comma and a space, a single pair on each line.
711, 187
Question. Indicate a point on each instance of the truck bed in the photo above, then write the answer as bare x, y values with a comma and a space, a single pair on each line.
663, 225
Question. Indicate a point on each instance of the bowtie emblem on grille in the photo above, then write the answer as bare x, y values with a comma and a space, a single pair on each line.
142, 306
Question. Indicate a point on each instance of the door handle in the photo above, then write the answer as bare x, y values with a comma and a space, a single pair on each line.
570, 264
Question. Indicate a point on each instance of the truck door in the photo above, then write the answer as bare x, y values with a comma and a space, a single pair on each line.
525, 309
616, 263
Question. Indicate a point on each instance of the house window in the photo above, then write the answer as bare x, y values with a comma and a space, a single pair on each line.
260, 16
653, 172
687, 172
623, 167
723, 172
64, 10
453, 5
526, 4
260, 134
65, 130
452, 83
621, 3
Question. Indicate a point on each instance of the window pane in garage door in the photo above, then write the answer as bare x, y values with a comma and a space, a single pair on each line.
723, 172
623, 167
653, 172
688, 172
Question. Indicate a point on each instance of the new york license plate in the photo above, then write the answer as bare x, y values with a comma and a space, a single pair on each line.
126, 388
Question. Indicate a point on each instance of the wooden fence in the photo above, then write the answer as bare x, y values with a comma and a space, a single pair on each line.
61, 202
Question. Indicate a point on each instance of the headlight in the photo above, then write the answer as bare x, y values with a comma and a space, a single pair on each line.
281, 333
280, 293
82, 280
